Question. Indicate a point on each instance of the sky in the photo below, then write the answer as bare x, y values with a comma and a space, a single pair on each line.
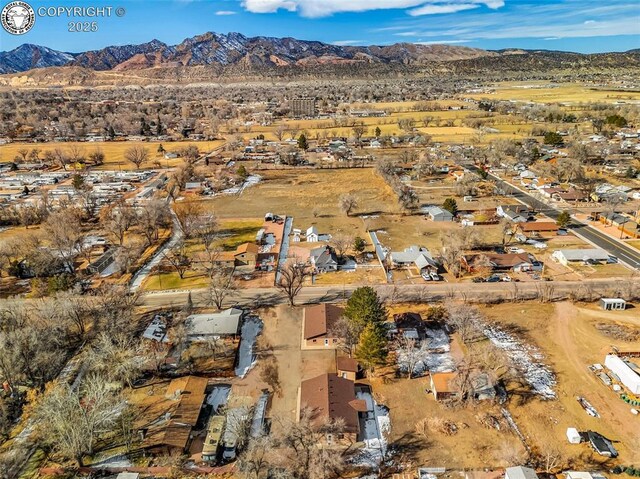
586, 26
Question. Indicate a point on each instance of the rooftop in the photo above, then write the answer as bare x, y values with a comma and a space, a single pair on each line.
331, 397
319, 319
224, 323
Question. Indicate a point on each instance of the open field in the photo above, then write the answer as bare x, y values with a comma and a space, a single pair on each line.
300, 193
113, 151
545, 92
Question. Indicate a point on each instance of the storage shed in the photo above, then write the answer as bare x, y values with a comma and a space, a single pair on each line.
611, 304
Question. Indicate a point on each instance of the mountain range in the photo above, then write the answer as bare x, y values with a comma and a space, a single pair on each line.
236, 52
231, 49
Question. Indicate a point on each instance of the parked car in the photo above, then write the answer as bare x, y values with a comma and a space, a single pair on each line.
426, 276
435, 276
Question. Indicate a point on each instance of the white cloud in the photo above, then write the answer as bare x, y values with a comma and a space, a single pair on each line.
341, 43
589, 22
225, 12
440, 9
441, 42
323, 8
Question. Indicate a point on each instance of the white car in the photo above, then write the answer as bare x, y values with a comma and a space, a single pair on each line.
426, 276
434, 276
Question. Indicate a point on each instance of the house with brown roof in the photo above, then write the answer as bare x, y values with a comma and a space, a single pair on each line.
246, 254
348, 368
173, 431
317, 322
538, 227
330, 397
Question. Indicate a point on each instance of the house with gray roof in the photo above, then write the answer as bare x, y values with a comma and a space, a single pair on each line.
223, 324
413, 256
324, 259
435, 213
520, 472
590, 255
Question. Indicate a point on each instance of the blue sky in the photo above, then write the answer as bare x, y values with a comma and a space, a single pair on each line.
573, 25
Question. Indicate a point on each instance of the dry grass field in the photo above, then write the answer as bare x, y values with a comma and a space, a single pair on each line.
303, 193
544, 92
113, 151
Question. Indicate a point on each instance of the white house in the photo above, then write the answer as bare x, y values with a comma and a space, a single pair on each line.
628, 372
592, 255
312, 234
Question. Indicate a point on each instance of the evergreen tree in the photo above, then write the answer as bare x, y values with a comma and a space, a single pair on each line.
242, 172
451, 206
302, 142
378, 132
564, 218
372, 346
364, 307
359, 245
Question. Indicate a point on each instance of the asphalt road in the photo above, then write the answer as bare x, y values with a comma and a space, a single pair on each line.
626, 254
256, 297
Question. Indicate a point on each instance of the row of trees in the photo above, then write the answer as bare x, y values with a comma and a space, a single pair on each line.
407, 196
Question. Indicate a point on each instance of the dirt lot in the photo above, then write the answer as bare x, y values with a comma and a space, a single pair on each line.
283, 332
567, 336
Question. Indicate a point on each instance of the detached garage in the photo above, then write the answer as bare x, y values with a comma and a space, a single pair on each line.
627, 371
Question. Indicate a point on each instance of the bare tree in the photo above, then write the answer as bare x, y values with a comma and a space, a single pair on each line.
136, 155
291, 279
348, 333
279, 131
116, 357
117, 219
178, 258
464, 318
347, 203
71, 421
222, 285
188, 214
408, 353
63, 231
342, 243
257, 458
151, 217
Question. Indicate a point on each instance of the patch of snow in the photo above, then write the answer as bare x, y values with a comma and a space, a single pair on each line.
121, 460
437, 339
526, 358
431, 355
375, 428
251, 180
246, 356
218, 397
